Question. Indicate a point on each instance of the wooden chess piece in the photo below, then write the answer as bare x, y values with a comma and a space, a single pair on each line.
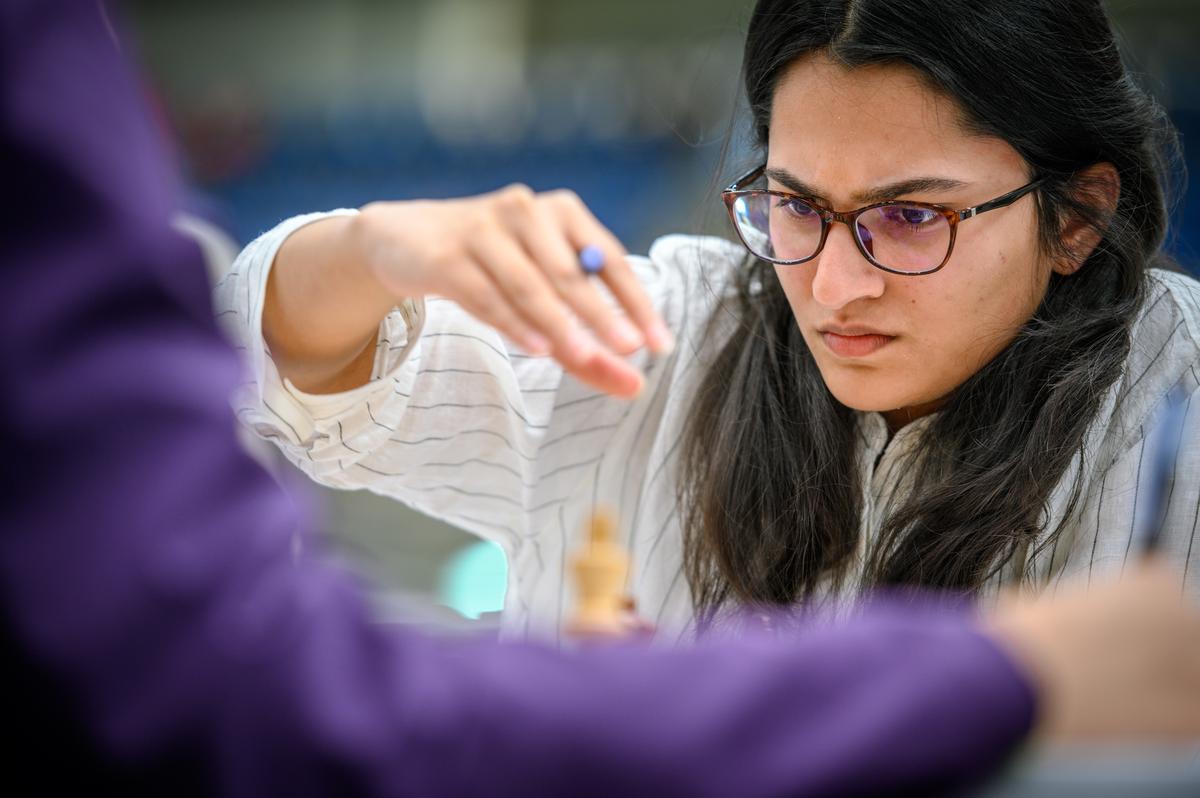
600, 570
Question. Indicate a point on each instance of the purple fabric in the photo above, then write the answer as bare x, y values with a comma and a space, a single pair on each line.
146, 574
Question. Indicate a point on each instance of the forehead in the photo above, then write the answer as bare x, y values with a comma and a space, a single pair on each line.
854, 128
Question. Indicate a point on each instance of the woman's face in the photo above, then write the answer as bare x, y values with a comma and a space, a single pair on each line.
887, 342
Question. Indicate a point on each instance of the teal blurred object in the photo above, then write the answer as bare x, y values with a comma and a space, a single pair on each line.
475, 579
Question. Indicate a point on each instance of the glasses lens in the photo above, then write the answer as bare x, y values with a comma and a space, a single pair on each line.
905, 238
777, 228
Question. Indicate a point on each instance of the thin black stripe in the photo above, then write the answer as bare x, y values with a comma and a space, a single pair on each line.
1054, 550
1175, 469
547, 505
537, 551
1187, 562
470, 494
1146, 314
366, 467
663, 463
508, 469
562, 569
1153, 362
1137, 493
1096, 537
376, 423
1030, 568
576, 433
455, 436
596, 485
284, 420
662, 529
478, 461
531, 588
643, 485
484, 373
559, 469
472, 372
483, 341
1158, 356
231, 311
574, 402
491, 405
457, 519
667, 598
231, 273
342, 438
886, 482
664, 384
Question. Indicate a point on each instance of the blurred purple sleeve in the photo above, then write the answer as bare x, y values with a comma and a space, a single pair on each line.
146, 573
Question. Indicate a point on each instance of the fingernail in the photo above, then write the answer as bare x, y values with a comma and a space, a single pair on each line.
626, 334
660, 338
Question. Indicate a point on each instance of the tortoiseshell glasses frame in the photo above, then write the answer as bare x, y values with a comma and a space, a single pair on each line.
737, 190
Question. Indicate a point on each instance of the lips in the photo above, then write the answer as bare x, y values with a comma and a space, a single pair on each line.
854, 341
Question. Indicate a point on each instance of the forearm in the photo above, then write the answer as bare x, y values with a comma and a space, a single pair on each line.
898, 701
322, 307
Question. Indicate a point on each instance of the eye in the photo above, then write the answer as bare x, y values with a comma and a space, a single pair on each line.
798, 208
909, 215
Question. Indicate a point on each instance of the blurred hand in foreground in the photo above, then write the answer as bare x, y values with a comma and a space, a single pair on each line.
1116, 661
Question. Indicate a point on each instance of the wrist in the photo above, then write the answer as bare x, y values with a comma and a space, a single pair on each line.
367, 254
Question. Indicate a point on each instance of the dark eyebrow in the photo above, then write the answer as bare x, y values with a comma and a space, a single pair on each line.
916, 185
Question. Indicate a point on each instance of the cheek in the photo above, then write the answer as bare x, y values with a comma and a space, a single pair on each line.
796, 282
981, 301
962, 319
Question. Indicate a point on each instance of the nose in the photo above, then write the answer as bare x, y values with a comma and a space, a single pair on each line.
841, 274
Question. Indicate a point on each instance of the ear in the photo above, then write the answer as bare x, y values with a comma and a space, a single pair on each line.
1099, 186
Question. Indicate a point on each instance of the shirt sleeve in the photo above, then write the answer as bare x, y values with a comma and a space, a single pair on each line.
454, 421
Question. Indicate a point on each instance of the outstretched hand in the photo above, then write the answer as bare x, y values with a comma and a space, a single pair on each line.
512, 259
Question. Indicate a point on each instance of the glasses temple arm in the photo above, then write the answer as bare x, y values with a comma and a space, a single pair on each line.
747, 178
1001, 201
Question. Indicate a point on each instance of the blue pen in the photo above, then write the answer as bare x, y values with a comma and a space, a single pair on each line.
1163, 443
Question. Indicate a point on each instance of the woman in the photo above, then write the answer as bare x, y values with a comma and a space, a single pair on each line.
875, 395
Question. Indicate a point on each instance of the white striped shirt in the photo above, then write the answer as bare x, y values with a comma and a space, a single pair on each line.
457, 424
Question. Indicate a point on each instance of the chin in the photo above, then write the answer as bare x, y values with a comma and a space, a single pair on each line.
867, 392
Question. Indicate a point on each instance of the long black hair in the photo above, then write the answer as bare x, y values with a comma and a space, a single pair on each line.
769, 488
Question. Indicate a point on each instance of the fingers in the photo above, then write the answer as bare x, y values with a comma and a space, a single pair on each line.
474, 292
506, 292
559, 262
583, 230
607, 372
512, 260
522, 286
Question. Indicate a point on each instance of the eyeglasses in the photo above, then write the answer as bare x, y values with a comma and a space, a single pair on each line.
897, 236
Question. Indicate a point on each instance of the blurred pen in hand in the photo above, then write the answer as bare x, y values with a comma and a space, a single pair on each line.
1163, 442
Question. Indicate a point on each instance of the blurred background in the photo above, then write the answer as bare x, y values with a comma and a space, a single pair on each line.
282, 107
